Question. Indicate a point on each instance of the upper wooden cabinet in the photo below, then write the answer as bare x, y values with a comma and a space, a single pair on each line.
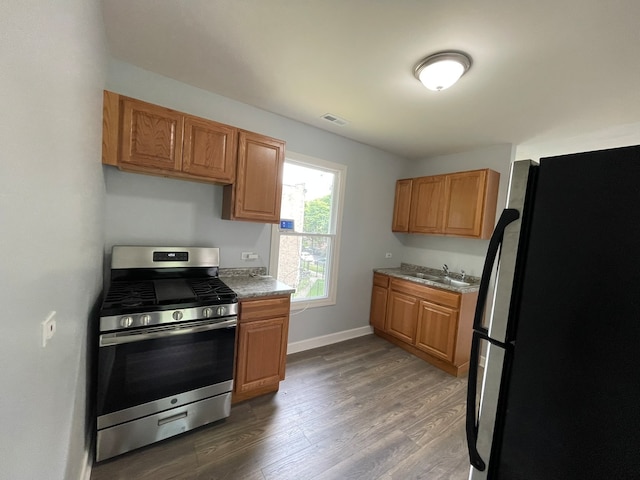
402, 205
146, 138
151, 136
428, 197
461, 204
257, 193
209, 149
470, 203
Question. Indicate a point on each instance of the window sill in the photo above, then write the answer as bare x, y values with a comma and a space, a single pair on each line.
304, 304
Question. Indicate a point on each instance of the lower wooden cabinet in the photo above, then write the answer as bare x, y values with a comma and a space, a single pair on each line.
436, 330
263, 327
379, 300
402, 314
433, 324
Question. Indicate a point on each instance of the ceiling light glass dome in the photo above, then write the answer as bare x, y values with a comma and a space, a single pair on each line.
441, 70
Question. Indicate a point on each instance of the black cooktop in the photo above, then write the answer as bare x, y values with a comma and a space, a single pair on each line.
130, 296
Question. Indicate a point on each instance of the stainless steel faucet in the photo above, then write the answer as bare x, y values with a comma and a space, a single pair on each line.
462, 275
445, 268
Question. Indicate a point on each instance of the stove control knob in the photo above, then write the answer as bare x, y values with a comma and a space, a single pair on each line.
126, 322
207, 312
145, 319
221, 311
177, 315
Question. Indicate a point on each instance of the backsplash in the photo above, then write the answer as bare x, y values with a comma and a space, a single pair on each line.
242, 272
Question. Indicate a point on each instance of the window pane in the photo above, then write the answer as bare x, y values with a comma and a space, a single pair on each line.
307, 198
302, 264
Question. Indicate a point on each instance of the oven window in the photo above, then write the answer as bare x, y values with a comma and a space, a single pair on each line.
135, 373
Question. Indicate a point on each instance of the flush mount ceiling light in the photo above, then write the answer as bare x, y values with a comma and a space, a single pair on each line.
441, 70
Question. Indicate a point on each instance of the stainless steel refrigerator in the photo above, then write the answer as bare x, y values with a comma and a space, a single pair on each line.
559, 396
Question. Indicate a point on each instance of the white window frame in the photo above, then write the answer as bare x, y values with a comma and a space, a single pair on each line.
340, 172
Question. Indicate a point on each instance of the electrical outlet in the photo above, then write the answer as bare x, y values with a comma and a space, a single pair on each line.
48, 328
248, 256
388, 255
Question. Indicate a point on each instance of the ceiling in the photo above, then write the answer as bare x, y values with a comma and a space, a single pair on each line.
543, 70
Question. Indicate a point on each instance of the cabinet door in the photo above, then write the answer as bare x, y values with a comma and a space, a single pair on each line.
151, 136
464, 203
437, 330
402, 206
258, 189
209, 149
402, 316
378, 307
427, 206
110, 127
261, 354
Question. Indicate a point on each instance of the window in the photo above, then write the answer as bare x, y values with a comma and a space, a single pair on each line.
306, 257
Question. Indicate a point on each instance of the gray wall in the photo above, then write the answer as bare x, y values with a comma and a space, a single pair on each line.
51, 219
142, 209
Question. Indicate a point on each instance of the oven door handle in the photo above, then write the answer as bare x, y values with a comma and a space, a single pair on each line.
118, 338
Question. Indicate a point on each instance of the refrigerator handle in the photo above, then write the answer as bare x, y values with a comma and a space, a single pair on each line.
508, 216
472, 427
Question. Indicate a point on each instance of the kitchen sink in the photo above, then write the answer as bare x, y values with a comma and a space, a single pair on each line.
456, 283
426, 276
439, 279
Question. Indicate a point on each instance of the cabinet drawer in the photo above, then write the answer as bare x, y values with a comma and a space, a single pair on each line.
380, 280
434, 295
264, 308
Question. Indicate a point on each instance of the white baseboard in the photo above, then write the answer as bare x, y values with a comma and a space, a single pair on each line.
323, 340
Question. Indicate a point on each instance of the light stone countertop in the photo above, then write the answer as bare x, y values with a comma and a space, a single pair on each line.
252, 283
407, 271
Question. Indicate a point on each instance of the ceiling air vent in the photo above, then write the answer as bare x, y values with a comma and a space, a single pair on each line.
329, 117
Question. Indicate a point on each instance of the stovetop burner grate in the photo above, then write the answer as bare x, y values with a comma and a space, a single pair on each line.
130, 294
211, 289
127, 294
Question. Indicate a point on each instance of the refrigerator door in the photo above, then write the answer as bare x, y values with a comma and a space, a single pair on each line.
494, 333
521, 186
571, 407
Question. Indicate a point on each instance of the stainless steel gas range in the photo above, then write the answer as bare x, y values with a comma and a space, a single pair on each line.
165, 347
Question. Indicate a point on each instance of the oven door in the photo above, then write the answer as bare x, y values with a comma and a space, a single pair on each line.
150, 370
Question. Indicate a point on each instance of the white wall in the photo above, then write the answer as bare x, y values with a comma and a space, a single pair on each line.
148, 210
458, 253
51, 217
612, 137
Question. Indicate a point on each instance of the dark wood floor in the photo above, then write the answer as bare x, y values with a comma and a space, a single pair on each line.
361, 409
